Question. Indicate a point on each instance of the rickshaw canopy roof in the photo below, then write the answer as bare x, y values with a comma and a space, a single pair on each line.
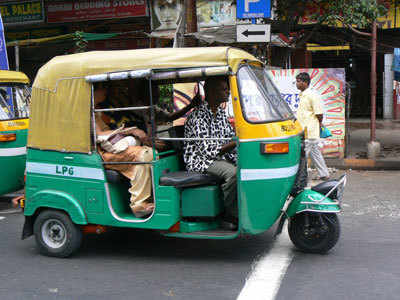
61, 96
13, 77
97, 62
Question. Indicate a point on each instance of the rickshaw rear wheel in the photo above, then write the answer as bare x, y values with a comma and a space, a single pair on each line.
56, 235
318, 234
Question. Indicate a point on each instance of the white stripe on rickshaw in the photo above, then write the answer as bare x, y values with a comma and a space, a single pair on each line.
261, 174
51, 169
13, 151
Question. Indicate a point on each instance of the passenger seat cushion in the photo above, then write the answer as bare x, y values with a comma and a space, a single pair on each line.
185, 179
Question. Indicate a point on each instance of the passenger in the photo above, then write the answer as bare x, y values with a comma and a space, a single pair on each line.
139, 174
216, 157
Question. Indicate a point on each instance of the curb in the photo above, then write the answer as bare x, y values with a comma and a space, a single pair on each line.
363, 164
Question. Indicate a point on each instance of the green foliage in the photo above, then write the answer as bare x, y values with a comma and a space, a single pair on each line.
166, 96
360, 13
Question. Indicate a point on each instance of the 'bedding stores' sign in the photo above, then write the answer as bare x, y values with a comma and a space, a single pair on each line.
72, 11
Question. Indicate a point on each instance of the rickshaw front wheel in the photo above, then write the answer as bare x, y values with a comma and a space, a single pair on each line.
56, 235
314, 232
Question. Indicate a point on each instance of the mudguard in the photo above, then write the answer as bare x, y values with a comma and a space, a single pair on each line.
56, 200
309, 200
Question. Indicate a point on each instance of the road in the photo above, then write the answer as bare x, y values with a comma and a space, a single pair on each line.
365, 264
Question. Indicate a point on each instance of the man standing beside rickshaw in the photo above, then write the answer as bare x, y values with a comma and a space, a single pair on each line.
310, 116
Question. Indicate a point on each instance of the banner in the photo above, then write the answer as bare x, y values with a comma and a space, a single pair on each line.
330, 84
72, 11
22, 12
5, 93
210, 13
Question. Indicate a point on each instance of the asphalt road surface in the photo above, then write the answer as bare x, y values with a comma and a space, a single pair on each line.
365, 263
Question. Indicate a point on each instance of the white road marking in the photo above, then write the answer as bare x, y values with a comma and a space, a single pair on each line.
1, 218
268, 272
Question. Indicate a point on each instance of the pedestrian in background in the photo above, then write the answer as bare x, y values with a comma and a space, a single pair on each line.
310, 116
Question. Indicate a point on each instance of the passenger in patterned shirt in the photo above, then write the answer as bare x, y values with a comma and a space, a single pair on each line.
216, 157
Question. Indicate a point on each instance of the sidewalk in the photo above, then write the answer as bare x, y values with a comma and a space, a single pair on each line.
387, 133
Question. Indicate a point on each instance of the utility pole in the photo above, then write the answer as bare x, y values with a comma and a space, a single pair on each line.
191, 22
373, 147
373, 83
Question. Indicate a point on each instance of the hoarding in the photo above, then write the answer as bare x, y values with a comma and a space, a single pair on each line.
22, 12
72, 11
330, 84
210, 13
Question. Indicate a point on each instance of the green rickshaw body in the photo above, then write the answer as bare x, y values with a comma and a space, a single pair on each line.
12, 160
265, 182
76, 183
311, 201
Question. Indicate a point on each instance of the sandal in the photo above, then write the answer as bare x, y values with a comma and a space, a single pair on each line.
143, 210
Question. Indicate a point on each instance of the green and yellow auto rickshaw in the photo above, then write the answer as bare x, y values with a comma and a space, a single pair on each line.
69, 192
14, 98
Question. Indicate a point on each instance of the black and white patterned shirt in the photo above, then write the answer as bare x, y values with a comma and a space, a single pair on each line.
201, 123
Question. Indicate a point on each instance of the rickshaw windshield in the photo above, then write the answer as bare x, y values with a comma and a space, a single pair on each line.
14, 102
260, 99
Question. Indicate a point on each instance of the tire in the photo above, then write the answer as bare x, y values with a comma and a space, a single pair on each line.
56, 235
301, 177
319, 240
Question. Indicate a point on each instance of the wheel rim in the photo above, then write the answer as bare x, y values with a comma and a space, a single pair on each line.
54, 233
315, 235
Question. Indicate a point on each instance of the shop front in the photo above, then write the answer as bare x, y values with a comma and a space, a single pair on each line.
36, 31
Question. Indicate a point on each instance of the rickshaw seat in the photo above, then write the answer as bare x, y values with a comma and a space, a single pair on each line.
183, 179
115, 177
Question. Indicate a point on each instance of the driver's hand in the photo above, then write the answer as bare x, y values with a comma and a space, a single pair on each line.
140, 134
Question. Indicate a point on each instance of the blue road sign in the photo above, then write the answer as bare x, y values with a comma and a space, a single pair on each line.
250, 9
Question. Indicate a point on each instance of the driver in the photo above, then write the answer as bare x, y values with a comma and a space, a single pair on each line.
216, 157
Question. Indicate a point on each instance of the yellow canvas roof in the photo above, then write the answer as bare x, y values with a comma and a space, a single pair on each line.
13, 77
61, 97
97, 62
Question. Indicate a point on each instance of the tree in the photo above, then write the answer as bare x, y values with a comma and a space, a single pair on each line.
351, 14
360, 13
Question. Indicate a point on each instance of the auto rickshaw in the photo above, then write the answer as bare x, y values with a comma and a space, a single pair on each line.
14, 113
69, 192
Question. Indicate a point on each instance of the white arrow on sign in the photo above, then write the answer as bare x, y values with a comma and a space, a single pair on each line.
247, 4
253, 33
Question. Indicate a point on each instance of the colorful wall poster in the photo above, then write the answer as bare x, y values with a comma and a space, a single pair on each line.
165, 13
330, 84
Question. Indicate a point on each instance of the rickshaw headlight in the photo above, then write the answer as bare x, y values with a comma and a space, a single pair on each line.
274, 148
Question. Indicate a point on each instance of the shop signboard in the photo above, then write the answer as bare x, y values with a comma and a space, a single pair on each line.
330, 84
34, 33
22, 12
210, 13
119, 44
73, 11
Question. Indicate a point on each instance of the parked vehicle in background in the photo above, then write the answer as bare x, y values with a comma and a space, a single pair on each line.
14, 113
